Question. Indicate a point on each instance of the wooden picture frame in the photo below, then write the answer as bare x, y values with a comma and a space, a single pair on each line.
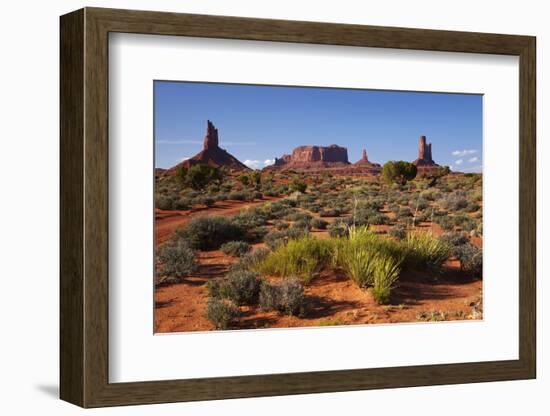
84, 207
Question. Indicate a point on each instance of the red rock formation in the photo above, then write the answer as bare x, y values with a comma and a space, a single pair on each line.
424, 154
365, 165
308, 157
211, 154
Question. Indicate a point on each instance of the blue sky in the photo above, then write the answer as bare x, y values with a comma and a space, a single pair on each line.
258, 123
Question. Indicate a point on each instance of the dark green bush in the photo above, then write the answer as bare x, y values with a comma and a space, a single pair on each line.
319, 223
209, 233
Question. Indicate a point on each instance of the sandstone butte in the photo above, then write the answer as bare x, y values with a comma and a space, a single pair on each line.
302, 158
424, 154
211, 154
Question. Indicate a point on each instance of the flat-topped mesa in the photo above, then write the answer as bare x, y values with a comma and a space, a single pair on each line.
424, 154
211, 138
311, 157
211, 154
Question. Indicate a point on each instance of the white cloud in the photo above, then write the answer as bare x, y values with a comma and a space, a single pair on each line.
253, 164
268, 162
459, 162
183, 159
473, 159
462, 153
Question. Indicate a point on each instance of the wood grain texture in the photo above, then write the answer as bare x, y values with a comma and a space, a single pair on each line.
71, 208
84, 205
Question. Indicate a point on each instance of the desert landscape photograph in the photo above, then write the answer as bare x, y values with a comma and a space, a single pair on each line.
284, 206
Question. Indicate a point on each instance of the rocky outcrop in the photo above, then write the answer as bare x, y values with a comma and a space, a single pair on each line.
212, 154
365, 166
308, 157
425, 159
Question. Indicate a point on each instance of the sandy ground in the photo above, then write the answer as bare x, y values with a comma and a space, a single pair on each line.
331, 298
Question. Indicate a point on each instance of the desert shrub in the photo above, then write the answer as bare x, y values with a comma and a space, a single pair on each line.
281, 225
276, 238
235, 248
330, 212
249, 218
176, 260
299, 216
242, 287
249, 260
208, 233
398, 172
471, 258
297, 185
199, 176
182, 203
454, 202
287, 297
303, 257
446, 222
257, 195
236, 196
221, 312
398, 232
454, 239
319, 223
423, 250
404, 212
465, 222
386, 273
164, 202
338, 228
205, 200
302, 224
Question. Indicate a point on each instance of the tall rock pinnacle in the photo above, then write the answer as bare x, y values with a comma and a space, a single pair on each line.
211, 138
424, 153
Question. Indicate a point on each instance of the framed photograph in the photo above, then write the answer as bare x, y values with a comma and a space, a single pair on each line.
254, 207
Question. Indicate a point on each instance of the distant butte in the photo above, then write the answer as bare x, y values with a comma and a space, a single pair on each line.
212, 154
364, 162
425, 160
312, 157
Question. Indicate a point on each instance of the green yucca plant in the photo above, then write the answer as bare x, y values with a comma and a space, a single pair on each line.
386, 273
424, 250
358, 263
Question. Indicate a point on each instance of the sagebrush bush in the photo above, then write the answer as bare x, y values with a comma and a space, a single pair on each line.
398, 232
319, 223
250, 259
287, 297
302, 257
221, 312
242, 287
338, 228
235, 248
471, 258
176, 260
209, 233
